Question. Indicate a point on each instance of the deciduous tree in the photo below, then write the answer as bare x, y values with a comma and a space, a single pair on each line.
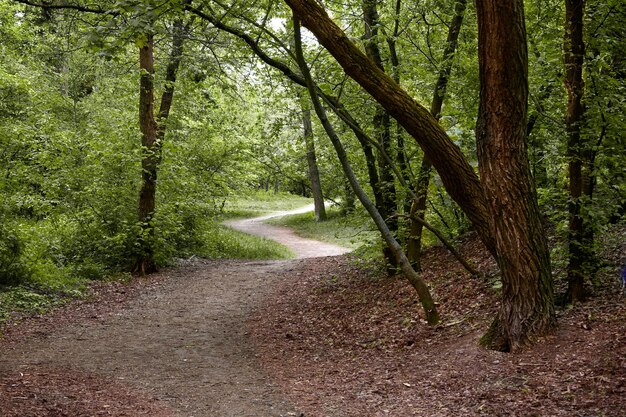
531, 313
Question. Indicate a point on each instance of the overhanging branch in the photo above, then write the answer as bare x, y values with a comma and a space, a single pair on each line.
70, 6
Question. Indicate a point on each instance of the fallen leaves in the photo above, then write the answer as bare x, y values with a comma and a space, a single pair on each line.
385, 360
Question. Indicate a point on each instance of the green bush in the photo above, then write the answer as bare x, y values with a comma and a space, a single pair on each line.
12, 268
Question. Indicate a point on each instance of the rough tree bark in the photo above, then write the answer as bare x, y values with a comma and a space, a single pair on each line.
579, 246
149, 162
418, 208
416, 281
311, 158
527, 308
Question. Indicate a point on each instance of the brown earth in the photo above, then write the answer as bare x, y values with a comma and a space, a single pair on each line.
344, 341
179, 344
313, 337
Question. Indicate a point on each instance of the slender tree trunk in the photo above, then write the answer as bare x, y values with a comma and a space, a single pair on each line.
579, 243
394, 57
153, 134
372, 171
348, 204
527, 309
149, 162
314, 175
539, 164
416, 281
382, 127
418, 208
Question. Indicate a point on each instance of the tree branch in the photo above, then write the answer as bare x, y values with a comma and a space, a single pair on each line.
50, 6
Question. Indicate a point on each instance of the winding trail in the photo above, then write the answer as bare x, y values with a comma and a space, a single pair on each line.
183, 341
303, 248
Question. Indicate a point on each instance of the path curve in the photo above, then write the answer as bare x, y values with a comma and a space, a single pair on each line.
183, 341
301, 247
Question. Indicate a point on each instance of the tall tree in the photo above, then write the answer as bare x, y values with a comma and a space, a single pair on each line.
527, 308
577, 151
382, 126
394, 58
515, 235
152, 136
418, 208
381, 121
430, 309
150, 158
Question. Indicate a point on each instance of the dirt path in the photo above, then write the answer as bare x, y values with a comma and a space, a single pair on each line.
303, 248
182, 342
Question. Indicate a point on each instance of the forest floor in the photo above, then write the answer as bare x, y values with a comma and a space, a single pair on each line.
312, 337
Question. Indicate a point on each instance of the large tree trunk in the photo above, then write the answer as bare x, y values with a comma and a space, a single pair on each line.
418, 208
416, 281
579, 244
311, 158
527, 309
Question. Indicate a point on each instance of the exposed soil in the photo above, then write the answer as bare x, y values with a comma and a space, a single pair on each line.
307, 337
180, 344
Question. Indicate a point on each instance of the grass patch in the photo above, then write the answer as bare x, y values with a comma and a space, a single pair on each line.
20, 300
258, 203
221, 242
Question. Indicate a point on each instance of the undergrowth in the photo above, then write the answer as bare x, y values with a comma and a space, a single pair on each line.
32, 298
48, 262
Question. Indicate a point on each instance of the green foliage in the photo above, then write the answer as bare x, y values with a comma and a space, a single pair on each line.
31, 299
20, 300
13, 269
